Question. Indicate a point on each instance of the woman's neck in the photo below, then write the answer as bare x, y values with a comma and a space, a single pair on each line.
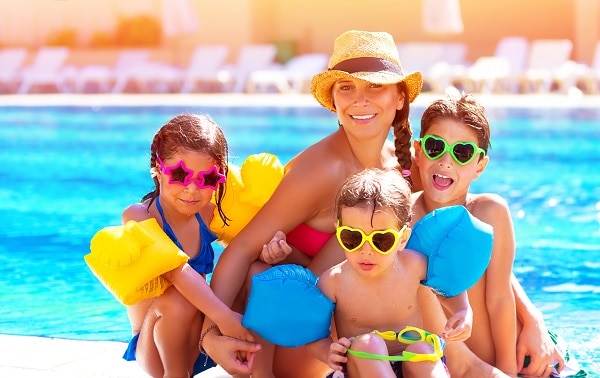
367, 153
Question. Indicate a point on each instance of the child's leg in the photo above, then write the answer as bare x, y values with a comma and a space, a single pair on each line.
431, 369
460, 360
366, 367
169, 337
297, 363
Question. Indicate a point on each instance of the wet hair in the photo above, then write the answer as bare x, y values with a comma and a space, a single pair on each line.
403, 133
465, 109
379, 189
195, 133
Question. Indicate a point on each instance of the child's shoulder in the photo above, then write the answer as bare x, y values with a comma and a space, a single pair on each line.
490, 208
485, 203
137, 212
414, 261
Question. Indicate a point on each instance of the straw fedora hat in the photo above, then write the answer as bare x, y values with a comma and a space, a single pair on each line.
369, 56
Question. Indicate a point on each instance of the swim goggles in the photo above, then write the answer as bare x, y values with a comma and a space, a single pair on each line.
383, 241
409, 335
462, 152
182, 175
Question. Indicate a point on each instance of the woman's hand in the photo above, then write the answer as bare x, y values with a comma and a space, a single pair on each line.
535, 342
233, 355
276, 250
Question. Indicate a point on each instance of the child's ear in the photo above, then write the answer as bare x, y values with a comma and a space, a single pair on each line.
405, 235
481, 164
417, 148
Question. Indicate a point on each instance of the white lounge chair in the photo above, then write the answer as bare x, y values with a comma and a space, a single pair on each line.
11, 60
251, 57
581, 75
112, 78
546, 58
201, 72
435, 60
203, 68
292, 77
46, 70
495, 73
439, 77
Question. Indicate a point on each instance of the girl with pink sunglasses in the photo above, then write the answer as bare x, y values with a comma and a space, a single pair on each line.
188, 164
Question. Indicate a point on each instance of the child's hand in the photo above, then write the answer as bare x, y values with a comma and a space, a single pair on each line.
337, 353
458, 327
276, 250
233, 327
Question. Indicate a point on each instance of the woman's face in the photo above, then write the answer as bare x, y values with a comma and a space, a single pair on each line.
190, 198
366, 109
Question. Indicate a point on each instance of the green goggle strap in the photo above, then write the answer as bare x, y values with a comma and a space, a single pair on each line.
405, 356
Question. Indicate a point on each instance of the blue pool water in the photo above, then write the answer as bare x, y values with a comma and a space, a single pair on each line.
69, 171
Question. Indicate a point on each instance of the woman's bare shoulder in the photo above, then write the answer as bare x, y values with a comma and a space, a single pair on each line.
324, 160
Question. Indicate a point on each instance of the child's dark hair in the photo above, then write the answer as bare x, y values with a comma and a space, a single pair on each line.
403, 134
380, 189
190, 132
465, 109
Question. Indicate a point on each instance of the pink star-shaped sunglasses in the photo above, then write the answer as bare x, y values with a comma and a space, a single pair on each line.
182, 175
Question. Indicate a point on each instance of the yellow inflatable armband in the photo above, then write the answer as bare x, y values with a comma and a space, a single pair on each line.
129, 260
246, 191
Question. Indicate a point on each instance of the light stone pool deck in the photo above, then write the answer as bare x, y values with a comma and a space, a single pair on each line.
31, 357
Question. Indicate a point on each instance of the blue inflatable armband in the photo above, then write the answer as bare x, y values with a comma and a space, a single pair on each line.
458, 247
286, 308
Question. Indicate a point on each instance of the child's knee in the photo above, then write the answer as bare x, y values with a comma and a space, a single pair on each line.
436, 368
172, 304
369, 343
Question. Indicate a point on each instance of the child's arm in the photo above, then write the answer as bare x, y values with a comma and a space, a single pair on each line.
276, 250
499, 298
334, 354
196, 290
533, 340
459, 325
326, 350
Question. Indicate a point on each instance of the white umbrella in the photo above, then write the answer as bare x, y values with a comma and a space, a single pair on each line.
442, 17
178, 17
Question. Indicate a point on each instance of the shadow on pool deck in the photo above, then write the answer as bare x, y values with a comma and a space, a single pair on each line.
33, 357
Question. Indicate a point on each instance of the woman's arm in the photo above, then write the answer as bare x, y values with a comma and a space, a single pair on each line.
307, 188
294, 201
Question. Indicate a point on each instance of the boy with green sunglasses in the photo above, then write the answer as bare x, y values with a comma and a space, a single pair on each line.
450, 154
446, 176
375, 288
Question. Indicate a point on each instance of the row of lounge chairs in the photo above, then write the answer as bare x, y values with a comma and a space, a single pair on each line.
254, 69
517, 66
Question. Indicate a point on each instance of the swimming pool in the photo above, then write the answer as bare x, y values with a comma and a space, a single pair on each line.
80, 166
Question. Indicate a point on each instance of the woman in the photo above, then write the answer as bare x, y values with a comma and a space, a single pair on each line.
367, 89
368, 101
